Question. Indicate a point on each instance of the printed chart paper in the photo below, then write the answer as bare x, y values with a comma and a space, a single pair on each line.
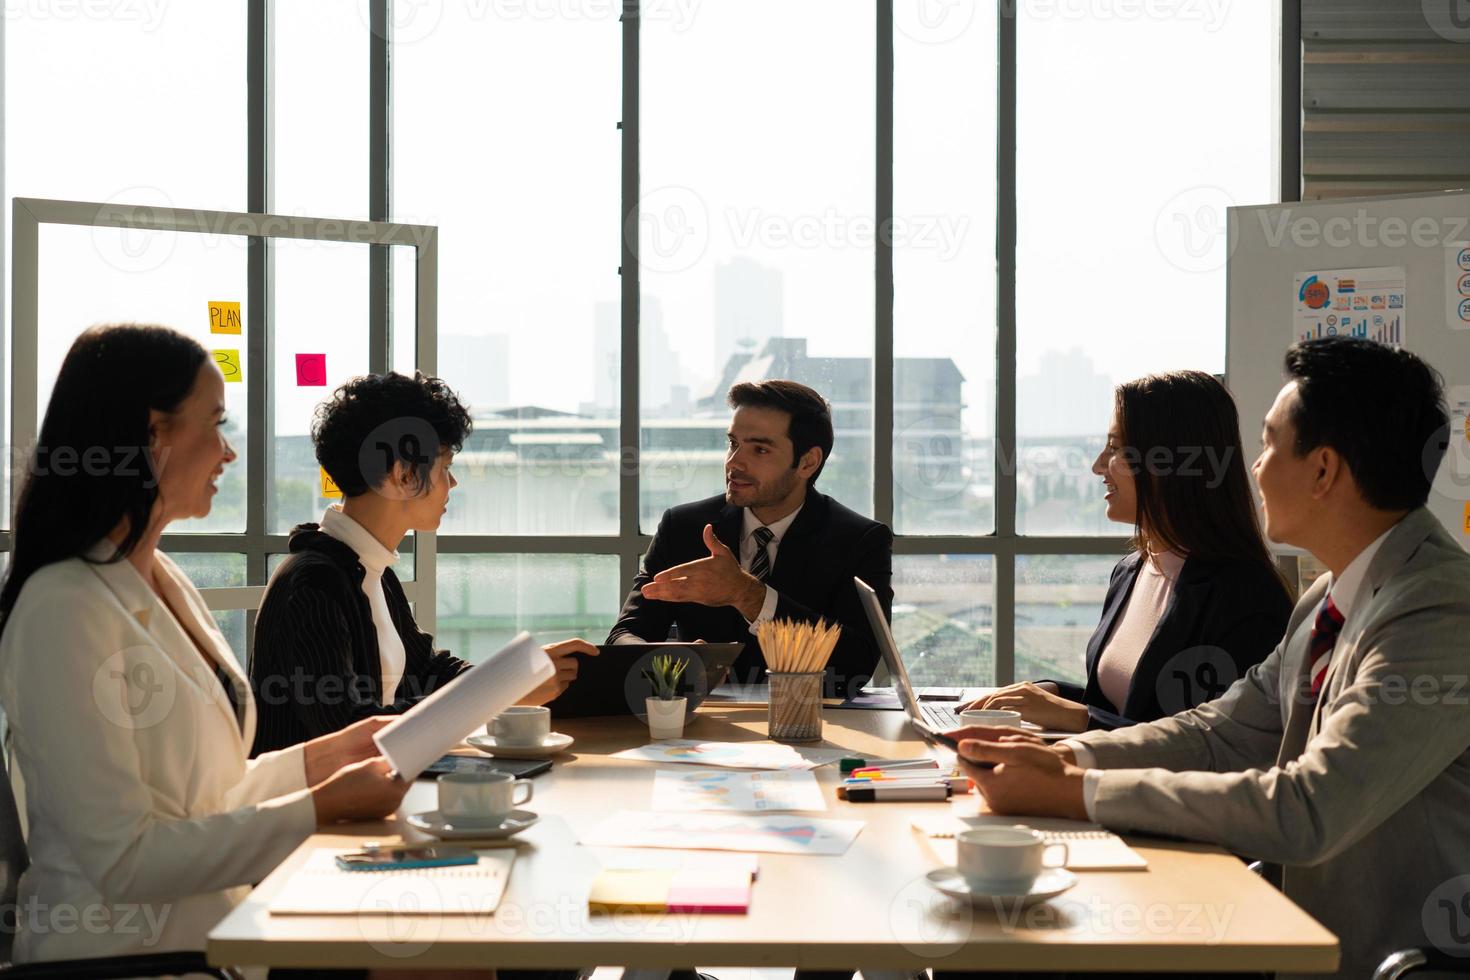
440, 721
703, 831
1457, 285
1369, 303
1453, 478
736, 792
731, 755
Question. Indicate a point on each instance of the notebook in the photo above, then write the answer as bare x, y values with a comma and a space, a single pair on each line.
319, 887
1089, 848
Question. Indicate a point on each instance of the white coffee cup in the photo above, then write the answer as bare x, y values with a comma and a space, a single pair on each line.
521, 724
1003, 860
991, 717
480, 797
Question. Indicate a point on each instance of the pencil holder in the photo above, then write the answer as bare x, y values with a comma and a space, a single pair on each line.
795, 710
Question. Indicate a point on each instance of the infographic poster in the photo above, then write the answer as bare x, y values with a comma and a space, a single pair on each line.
1369, 303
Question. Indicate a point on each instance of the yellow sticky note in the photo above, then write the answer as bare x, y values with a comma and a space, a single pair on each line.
1467, 517
224, 317
329, 487
228, 362
643, 890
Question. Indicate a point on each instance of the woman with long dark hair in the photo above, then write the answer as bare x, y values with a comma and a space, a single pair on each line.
1198, 602
129, 715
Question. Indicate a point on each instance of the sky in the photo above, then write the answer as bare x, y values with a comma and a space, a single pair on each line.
757, 142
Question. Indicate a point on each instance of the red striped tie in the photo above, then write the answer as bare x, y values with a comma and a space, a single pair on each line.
1324, 635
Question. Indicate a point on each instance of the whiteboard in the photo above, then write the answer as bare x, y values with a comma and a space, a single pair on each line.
1271, 246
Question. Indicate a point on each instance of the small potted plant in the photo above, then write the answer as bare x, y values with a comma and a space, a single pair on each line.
665, 706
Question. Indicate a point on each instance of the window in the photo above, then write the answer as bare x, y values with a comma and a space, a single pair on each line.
964, 225
321, 307
525, 193
944, 296
1059, 600
755, 231
485, 600
1146, 166
943, 618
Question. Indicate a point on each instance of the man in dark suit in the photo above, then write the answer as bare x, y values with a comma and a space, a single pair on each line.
769, 547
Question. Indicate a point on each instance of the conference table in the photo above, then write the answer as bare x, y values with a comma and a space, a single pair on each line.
1195, 908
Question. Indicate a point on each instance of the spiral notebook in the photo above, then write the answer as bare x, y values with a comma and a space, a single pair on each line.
1089, 847
320, 887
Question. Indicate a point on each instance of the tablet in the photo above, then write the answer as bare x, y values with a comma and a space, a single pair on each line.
612, 683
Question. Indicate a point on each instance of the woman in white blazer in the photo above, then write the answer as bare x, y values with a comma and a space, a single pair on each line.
130, 718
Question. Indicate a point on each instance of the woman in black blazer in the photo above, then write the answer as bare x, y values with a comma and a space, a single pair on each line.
1199, 601
335, 638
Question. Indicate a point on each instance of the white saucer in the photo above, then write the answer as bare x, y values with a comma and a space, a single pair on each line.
1049, 884
434, 823
551, 745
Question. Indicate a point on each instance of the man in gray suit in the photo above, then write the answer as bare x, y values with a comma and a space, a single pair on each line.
1345, 756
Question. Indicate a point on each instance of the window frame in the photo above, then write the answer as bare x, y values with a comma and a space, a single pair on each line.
630, 542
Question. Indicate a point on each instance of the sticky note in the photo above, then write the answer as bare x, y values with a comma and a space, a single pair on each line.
1467, 517
311, 369
224, 317
645, 890
228, 362
329, 486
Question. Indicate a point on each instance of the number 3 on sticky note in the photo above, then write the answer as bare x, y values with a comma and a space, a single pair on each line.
228, 362
329, 486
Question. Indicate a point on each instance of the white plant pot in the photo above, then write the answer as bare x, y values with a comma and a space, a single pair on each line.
666, 718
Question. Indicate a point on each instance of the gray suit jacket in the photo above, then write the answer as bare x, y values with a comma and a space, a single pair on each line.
1362, 797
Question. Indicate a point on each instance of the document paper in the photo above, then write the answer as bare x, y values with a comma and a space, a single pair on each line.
440, 721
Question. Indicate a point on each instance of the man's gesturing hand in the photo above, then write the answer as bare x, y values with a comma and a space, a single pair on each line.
714, 581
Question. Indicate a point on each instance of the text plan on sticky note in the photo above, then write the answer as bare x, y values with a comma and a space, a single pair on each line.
329, 486
224, 317
228, 362
311, 370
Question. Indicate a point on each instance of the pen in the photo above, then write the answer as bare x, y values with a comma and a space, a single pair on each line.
899, 766
880, 793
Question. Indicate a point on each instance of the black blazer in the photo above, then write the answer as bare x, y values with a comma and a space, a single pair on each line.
1223, 618
314, 667
816, 560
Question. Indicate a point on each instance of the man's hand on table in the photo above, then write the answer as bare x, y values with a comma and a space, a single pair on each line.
1024, 776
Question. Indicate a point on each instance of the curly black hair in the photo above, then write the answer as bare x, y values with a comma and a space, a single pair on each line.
378, 420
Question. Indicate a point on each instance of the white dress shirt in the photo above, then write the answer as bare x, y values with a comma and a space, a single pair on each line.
144, 808
374, 558
1344, 593
747, 555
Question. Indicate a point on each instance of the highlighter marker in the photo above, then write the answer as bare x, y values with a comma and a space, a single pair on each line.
880, 794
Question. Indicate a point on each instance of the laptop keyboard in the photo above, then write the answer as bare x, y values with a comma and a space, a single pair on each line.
940, 715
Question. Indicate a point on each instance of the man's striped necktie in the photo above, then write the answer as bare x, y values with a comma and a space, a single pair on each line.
760, 562
1319, 648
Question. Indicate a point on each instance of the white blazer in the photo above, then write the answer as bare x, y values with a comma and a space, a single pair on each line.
147, 820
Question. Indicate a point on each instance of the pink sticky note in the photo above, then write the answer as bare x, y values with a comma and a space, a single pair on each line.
311, 369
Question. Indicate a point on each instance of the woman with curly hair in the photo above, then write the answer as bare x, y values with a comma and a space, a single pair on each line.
335, 639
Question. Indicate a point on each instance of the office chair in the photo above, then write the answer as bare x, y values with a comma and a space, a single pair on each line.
13, 861
1407, 961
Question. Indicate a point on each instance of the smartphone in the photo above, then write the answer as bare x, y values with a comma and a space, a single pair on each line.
949, 742
395, 857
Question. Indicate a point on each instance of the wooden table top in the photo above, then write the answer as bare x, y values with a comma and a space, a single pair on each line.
1195, 908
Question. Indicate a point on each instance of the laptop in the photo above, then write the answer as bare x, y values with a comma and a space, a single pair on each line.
924, 717
612, 683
